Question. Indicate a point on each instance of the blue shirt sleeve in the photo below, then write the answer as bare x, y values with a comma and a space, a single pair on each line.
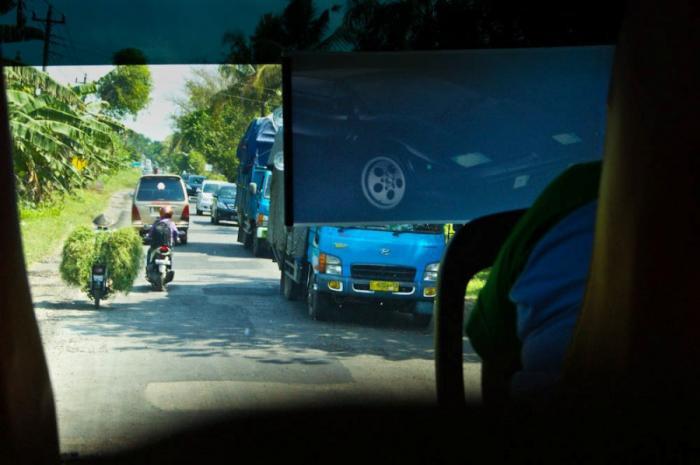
548, 294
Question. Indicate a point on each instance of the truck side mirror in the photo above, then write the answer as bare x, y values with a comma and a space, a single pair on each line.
253, 188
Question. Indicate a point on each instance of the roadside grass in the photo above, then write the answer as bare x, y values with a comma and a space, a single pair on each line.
45, 228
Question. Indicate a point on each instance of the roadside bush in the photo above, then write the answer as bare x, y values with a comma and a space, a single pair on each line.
120, 250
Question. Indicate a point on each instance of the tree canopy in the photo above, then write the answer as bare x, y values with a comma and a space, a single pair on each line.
218, 107
126, 89
299, 27
388, 25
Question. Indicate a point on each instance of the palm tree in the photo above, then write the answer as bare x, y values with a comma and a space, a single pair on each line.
298, 27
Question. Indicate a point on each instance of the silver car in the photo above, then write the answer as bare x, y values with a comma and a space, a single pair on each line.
206, 196
157, 190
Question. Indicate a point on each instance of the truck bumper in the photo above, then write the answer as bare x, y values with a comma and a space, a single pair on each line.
348, 289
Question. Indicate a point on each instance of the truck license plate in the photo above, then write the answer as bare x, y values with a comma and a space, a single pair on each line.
385, 286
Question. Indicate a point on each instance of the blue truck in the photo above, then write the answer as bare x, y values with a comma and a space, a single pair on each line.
392, 266
253, 183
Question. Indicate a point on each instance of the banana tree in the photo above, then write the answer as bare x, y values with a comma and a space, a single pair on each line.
58, 143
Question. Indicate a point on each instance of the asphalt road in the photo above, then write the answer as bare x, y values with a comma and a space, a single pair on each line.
222, 339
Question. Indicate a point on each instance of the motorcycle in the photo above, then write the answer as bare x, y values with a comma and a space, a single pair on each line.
99, 280
159, 271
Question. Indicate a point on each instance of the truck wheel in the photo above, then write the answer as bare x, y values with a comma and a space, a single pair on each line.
290, 289
258, 247
318, 304
199, 212
248, 239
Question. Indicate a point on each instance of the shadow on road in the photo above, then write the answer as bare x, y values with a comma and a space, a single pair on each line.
249, 319
220, 249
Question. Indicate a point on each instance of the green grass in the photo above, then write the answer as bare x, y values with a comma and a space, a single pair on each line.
476, 283
45, 228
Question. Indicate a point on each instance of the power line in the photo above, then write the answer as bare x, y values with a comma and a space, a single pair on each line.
21, 17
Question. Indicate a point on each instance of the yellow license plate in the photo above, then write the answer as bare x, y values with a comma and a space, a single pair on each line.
386, 286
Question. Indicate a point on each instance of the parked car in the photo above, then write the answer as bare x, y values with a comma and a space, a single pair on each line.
206, 194
223, 207
194, 184
154, 191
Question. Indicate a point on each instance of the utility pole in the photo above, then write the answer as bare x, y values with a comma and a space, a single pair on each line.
21, 19
47, 32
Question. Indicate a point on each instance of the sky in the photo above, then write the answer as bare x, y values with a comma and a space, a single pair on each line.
168, 84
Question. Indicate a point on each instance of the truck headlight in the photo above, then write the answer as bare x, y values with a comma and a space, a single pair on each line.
431, 272
329, 264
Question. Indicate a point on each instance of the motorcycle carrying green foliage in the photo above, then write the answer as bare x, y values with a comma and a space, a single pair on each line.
121, 251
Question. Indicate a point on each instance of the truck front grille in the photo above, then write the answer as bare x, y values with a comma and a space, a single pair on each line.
383, 272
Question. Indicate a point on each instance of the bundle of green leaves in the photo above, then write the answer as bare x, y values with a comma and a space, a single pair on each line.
78, 251
121, 251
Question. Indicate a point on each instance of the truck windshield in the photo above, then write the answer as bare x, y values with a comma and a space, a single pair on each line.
258, 314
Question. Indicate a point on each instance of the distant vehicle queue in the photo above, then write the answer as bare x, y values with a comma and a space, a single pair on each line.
392, 266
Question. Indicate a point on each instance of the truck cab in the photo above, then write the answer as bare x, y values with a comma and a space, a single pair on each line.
258, 210
393, 266
254, 184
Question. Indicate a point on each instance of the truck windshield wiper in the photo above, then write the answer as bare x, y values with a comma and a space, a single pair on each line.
343, 228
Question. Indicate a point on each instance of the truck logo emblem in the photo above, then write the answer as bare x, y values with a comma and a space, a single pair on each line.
384, 251
383, 182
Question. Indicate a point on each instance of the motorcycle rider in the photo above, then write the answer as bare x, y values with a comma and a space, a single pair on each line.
166, 215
